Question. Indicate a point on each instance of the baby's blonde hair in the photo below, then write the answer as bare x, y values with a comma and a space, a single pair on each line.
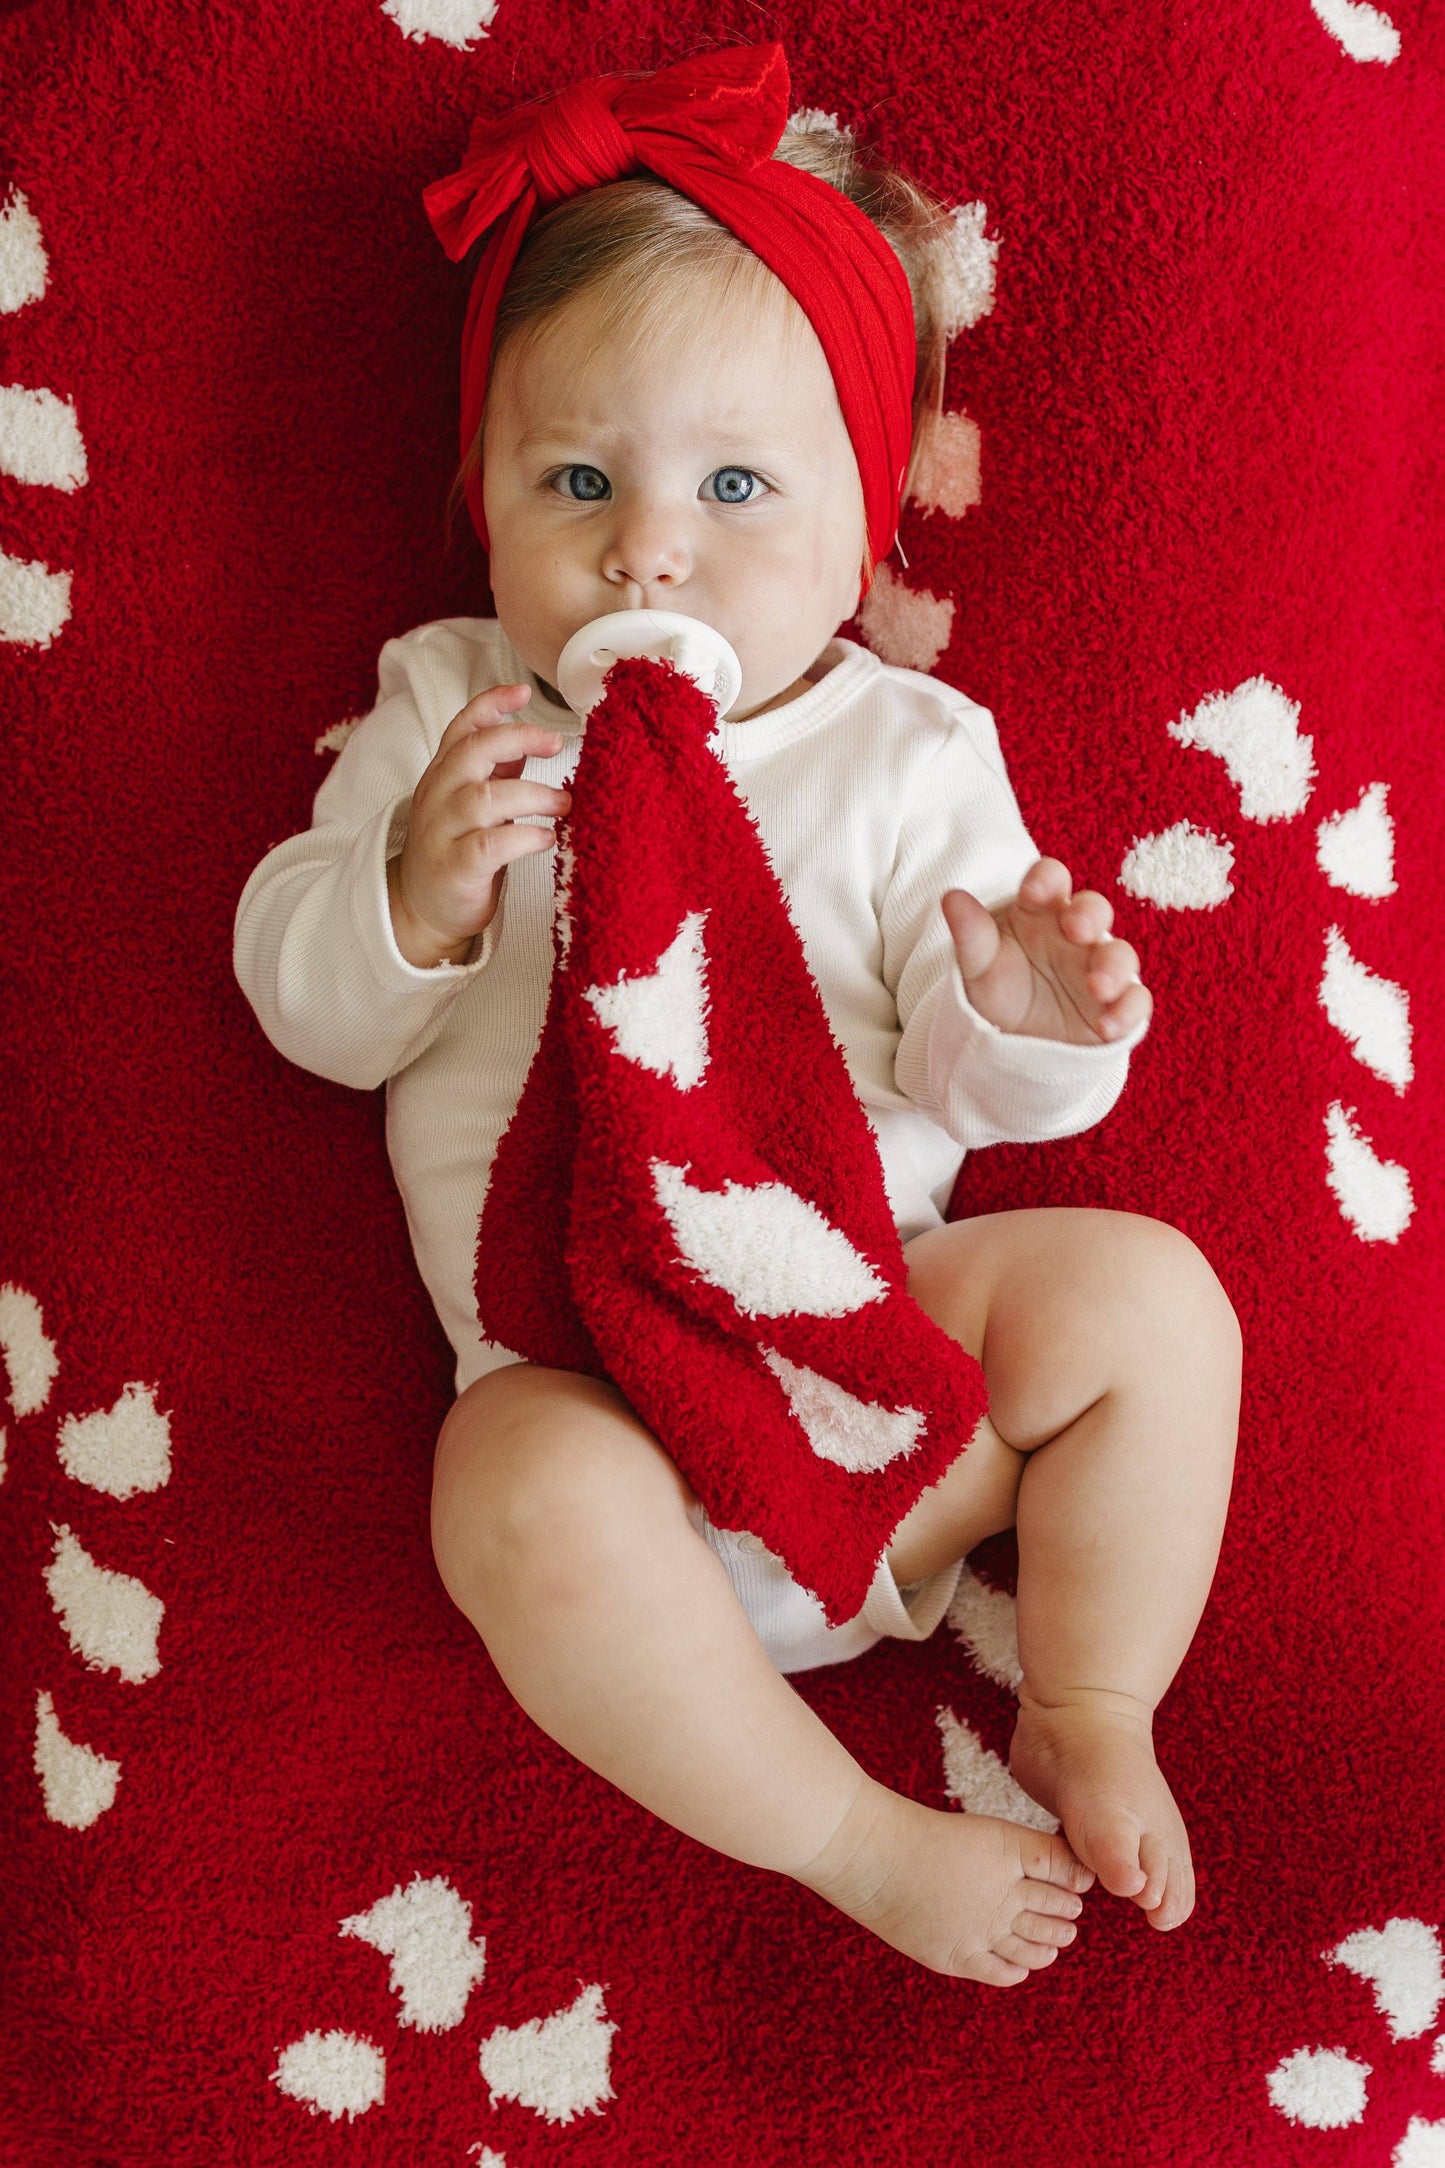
634, 238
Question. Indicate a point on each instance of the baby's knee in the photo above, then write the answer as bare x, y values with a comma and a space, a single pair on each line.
1174, 1277
532, 1469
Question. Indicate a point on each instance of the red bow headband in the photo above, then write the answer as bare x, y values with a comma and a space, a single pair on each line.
708, 127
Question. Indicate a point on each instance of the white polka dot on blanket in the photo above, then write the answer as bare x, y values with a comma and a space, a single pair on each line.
458, 23
1323, 2088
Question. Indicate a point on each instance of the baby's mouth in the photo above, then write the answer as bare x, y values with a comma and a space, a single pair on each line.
692, 645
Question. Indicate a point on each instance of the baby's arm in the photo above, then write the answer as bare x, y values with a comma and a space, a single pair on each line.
316, 931
962, 829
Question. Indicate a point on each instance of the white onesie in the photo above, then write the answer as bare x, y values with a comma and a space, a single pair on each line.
874, 791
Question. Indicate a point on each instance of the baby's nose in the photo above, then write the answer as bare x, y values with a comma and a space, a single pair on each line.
646, 554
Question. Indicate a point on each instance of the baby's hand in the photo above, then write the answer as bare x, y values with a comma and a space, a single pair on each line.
463, 830
1042, 965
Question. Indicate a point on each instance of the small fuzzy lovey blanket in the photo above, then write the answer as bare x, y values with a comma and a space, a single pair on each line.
706, 1227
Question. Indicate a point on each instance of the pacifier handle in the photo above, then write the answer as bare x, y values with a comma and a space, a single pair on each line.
696, 649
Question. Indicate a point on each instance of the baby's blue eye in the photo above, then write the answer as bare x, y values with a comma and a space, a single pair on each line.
584, 496
727, 479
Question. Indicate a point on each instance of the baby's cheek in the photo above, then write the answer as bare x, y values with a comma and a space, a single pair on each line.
789, 616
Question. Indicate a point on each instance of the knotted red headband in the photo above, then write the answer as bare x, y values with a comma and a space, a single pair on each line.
708, 127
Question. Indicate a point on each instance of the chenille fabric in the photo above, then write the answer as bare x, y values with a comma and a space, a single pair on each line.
689, 1199
288, 1875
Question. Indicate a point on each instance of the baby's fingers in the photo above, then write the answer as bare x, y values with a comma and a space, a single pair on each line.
1113, 965
974, 930
498, 801
1046, 882
1087, 916
1134, 1006
1112, 978
496, 714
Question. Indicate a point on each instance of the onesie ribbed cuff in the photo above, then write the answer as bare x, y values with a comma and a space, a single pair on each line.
993, 1087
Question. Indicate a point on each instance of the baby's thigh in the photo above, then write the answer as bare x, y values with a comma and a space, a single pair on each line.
1062, 1302
526, 1452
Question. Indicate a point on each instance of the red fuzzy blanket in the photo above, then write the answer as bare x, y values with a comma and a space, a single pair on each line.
288, 1876
689, 1198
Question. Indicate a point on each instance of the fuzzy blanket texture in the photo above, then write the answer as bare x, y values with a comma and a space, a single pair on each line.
689, 1199
288, 1877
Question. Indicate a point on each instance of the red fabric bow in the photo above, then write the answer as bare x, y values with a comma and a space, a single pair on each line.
733, 104
708, 127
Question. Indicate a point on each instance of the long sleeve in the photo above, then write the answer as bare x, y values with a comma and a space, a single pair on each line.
963, 829
314, 949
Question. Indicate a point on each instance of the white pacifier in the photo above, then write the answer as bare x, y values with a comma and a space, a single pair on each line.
667, 635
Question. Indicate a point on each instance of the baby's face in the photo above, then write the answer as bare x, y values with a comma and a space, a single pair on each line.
709, 473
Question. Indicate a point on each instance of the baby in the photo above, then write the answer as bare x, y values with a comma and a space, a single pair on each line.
662, 428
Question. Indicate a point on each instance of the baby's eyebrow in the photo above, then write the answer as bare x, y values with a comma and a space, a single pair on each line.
724, 432
547, 436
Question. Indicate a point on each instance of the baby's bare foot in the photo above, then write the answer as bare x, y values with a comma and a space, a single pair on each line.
1088, 1757
964, 1894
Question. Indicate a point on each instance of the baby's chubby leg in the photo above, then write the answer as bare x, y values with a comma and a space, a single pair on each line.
1113, 1362
560, 1529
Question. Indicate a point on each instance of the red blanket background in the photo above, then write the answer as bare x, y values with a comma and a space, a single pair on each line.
1209, 401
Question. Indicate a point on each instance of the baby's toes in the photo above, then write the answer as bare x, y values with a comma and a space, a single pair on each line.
1045, 1927
1154, 1859
1048, 1859
1060, 1904
1167, 1898
1017, 1950
1110, 1842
